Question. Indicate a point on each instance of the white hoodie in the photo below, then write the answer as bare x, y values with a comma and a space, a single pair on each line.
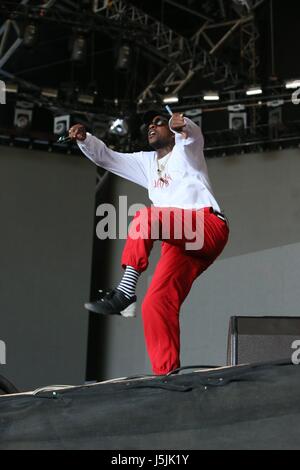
186, 182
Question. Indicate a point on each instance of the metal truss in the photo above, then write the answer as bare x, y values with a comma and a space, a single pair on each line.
249, 37
199, 54
9, 32
8, 28
219, 143
181, 57
247, 5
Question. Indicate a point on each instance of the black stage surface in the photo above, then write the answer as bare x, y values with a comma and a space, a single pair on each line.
255, 406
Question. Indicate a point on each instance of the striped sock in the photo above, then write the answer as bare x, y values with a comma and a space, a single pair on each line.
129, 282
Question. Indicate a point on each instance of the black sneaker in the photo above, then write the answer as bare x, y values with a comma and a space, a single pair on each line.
114, 302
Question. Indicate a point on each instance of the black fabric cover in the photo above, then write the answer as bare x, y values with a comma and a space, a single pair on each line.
245, 407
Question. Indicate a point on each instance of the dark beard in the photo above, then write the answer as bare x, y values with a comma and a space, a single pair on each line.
160, 144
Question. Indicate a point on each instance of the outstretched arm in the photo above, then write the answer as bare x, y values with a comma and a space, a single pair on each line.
130, 166
185, 130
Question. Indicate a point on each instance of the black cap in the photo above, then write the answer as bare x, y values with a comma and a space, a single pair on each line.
152, 113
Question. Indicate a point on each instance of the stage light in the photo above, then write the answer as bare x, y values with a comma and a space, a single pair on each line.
254, 90
86, 99
237, 117
79, 49
237, 121
30, 36
118, 127
23, 115
275, 113
61, 125
50, 93
124, 58
211, 96
12, 87
89, 94
171, 99
292, 84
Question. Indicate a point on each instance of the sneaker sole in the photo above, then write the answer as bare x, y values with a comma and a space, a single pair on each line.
128, 312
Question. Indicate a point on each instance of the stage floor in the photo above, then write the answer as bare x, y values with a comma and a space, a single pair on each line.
254, 406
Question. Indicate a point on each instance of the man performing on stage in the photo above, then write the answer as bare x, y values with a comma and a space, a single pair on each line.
175, 174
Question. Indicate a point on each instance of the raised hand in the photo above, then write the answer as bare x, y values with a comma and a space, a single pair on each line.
77, 132
177, 124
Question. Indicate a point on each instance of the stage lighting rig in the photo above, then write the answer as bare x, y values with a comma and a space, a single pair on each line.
124, 57
51, 93
118, 127
211, 96
237, 117
61, 125
79, 48
254, 90
292, 84
171, 99
30, 36
23, 115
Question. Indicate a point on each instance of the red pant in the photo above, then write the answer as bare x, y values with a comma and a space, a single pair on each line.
174, 275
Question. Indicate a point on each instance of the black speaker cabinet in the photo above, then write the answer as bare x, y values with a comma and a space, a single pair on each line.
261, 339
